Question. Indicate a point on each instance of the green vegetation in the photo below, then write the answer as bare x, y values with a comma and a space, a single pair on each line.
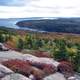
5, 35
61, 49
20, 44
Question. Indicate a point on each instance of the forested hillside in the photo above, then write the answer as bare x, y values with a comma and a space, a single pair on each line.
69, 25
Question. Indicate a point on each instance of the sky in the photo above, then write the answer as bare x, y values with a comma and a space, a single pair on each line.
39, 8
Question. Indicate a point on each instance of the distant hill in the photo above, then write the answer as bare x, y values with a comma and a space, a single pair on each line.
68, 25
11, 22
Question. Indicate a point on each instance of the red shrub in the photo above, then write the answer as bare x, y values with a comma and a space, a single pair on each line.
49, 69
18, 66
66, 68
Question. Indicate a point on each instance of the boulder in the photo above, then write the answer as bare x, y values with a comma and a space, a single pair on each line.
4, 71
49, 61
40, 60
30, 58
77, 76
56, 76
39, 74
26, 57
8, 55
15, 76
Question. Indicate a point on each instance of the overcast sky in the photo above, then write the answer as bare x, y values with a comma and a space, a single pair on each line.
39, 8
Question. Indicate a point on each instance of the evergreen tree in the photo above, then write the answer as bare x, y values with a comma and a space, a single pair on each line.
61, 54
1, 38
28, 41
76, 61
20, 44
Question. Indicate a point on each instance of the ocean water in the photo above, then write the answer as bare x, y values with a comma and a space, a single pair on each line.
11, 23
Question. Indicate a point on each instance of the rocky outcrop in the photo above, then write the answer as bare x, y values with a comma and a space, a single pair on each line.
39, 67
26, 68
56, 76
8, 55
40, 60
4, 71
15, 76
18, 66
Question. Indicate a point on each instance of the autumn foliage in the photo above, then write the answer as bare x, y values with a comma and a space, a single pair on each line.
18, 66
49, 69
66, 68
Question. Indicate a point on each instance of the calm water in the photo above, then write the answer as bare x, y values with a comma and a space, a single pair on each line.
11, 23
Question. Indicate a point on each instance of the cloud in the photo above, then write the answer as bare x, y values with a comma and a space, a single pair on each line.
39, 8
